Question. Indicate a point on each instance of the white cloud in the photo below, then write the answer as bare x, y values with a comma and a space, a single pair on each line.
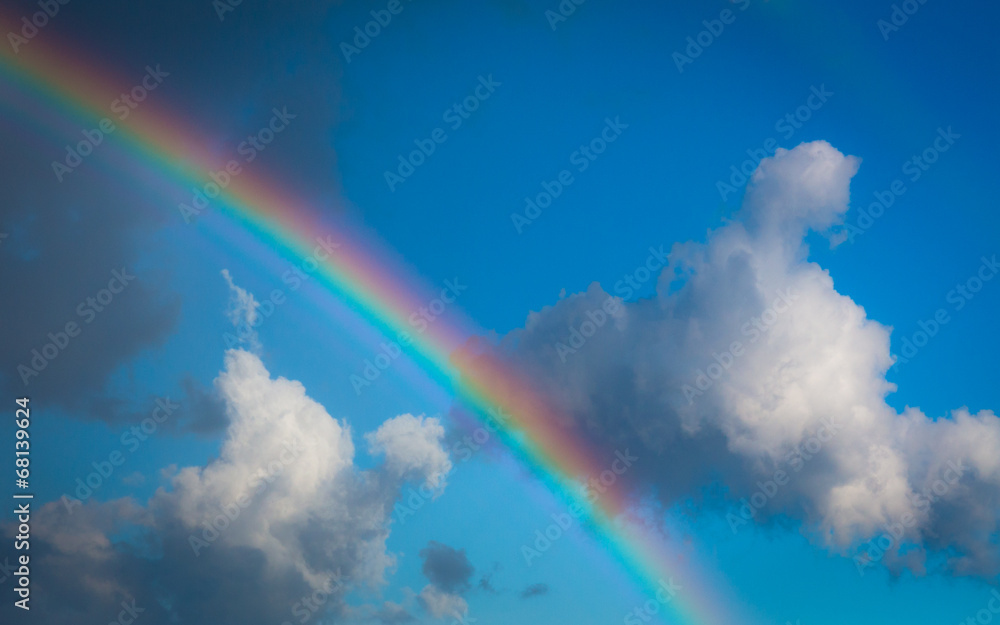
305, 506
807, 358
795, 190
412, 447
283, 451
281, 513
242, 312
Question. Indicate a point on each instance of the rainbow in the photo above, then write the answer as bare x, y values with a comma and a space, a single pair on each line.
73, 95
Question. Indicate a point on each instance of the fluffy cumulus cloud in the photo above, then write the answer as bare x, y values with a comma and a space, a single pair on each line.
747, 365
412, 447
280, 525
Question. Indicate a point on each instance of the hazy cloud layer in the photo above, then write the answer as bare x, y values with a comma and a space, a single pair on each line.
69, 278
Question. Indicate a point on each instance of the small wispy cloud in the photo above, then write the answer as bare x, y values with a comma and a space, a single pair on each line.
535, 590
242, 312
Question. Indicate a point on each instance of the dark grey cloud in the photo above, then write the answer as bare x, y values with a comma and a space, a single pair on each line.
534, 590
79, 302
196, 410
70, 247
80, 575
205, 411
486, 583
446, 567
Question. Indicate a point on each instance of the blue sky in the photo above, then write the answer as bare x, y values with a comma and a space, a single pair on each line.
886, 100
